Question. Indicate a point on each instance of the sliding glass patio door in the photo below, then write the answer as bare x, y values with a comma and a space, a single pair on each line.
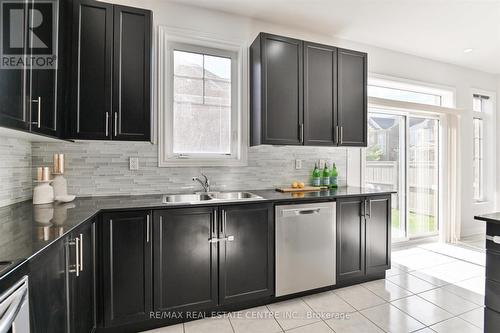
403, 152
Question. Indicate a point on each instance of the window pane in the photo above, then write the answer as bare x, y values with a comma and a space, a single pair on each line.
201, 129
403, 95
202, 104
188, 64
188, 90
423, 172
217, 68
384, 162
476, 104
477, 158
217, 92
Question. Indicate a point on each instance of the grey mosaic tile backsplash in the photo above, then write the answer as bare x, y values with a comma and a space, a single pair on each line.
102, 168
15, 170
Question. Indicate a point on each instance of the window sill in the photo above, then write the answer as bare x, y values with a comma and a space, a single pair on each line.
181, 162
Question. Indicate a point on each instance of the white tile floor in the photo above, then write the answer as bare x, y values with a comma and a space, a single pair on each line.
430, 288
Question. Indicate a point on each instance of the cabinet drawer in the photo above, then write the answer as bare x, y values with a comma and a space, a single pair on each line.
492, 298
493, 265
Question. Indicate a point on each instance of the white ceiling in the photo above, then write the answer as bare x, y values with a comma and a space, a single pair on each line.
435, 29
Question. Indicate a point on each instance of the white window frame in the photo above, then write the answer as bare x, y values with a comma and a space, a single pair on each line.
170, 39
447, 94
450, 180
487, 115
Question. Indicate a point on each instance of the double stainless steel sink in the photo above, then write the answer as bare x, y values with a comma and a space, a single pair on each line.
198, 198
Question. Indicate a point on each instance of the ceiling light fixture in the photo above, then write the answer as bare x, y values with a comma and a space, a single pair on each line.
468, 50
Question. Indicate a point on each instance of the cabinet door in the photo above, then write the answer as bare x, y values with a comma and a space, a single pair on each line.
352, 98
247, 255
350, 238
12, 99
378, 234
82, 286
47, 288
131, 74
127, 267
185, 276
92, 58
13, 78
320, 94
282, 108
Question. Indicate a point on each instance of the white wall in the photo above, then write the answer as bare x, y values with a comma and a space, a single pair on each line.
380, 61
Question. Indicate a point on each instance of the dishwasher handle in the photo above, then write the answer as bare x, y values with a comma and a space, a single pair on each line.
300, 211
11, 313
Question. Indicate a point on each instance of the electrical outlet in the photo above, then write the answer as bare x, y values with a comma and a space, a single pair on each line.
321, 164
134, 163
298, 164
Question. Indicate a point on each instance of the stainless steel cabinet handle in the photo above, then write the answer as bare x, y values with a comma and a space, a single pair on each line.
77, 256
81, 252
147, 228
107, 124
369, 213
337, 136
341, 134
39, 116
223, 239
494, 239
116, 123
301, 129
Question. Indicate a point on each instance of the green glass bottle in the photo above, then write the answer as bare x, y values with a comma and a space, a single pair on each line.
333, 176
325, 177
316, 176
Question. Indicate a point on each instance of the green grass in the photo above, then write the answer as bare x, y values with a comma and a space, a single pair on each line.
417, 223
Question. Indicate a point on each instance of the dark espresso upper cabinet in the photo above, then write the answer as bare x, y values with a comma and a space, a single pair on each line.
33, 94
112, 72
320, 94
92, 50
303, 93
352, 98
276, 90
131, 74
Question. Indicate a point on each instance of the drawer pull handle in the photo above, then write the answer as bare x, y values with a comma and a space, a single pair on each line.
494, 239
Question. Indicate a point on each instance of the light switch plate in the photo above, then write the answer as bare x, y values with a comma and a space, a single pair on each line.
134, 163
298, 164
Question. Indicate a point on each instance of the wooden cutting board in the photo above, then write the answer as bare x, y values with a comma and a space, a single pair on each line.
304, 189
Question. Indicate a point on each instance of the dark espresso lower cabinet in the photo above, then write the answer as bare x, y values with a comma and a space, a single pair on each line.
185, 259
126, 267
81, 278
246, 253
47, 289
378, 234
363, 237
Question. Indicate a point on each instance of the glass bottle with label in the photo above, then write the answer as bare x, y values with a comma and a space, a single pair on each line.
333, 176
325, 177
316, 176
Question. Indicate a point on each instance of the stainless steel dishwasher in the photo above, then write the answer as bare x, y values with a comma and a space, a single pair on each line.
305, 247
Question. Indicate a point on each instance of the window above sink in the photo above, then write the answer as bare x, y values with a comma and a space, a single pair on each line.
201, 101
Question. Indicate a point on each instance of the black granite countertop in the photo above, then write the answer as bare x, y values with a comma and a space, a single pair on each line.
493, 217
26, 229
